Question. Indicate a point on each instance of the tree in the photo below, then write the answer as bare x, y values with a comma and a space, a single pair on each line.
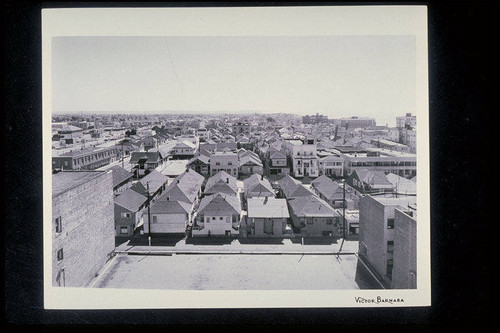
270, 119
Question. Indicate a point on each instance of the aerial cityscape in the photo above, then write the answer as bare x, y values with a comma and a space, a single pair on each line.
242, 200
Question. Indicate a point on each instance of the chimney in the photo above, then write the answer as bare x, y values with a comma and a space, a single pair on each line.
227, 180
262, 177
168, 198
265, 200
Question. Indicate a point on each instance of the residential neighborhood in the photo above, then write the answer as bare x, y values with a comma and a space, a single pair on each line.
344, 186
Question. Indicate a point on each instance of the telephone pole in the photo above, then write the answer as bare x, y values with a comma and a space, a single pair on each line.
149, 214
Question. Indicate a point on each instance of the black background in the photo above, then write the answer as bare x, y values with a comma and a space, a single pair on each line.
463, 74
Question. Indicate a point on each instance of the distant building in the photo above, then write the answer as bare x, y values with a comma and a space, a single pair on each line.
184, 150
267, 217
304, 157
357, 122
390, 145
85, 159
406, 121
250, 164
200, 164
224, 161
241, 128
82, 226
314, 119
377, 238
331, 165
142, 161
278, 164
365, 181
378, 159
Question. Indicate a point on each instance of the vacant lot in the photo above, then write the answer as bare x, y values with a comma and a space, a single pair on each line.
237, 272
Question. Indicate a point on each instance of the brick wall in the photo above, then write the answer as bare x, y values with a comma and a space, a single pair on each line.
87, 236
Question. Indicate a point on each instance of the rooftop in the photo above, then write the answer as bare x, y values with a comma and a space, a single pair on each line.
66, 180
267, 207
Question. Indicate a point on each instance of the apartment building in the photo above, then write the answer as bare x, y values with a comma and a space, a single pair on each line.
305, 161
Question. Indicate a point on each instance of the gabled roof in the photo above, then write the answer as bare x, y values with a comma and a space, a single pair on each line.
219, 204
267, 208
139, 188
221, 182
293, 188
401, 184
151, 157
331, 158
256, 185
130, 200
329, 191
250, 160
155, 179
120, 175
170, 207
372, 178
202, 158
277, 154
323, 179
311, 206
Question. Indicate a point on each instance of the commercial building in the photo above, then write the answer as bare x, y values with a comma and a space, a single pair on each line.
85, 159
83, 235
406, 121
378, 159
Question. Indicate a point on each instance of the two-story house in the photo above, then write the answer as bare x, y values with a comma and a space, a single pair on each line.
224, 161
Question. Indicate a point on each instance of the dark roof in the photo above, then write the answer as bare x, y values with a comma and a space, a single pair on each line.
130, 200
151, 157
372, 177
120, 175
66, 180
201, 158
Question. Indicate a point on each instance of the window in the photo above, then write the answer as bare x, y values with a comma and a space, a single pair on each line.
309, 220
221, 218
58, 222
235, 218
213, 218
217, 163
390, 223
126, 215
60, 255
329, 221
66, 163
229, 163
155, 219
124, 230
390, 246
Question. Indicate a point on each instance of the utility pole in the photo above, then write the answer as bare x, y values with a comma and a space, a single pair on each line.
149, 214
343, 206
123, 156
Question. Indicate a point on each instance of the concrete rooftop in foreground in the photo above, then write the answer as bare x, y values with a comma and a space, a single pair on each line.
237, 272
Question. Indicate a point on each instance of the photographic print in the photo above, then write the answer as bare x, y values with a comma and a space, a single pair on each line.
236, 157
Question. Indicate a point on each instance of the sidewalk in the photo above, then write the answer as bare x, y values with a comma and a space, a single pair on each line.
234, 246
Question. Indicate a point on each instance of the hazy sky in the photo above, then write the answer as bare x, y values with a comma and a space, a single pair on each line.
334, 75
